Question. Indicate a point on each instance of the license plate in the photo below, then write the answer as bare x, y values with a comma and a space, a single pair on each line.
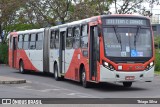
129, 78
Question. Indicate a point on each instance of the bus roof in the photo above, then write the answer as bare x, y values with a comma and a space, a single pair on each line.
31, 31
79, 22
83, 21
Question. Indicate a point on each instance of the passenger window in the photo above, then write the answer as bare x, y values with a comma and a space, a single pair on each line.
20, 41
32, 44
69, 39
39, 41
76, 40
56, 43
26, 42
52, 37
84, 37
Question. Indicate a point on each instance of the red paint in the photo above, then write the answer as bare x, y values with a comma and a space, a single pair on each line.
18, 54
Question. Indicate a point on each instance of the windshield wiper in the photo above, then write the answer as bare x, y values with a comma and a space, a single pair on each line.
136, 35
118, 36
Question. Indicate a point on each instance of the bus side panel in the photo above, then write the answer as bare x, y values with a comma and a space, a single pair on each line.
54, 56
24, 56
69, 63
36, 57
73, 70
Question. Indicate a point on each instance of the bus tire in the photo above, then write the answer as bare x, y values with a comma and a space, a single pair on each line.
85, 83
21, 67
57, 78
127, 84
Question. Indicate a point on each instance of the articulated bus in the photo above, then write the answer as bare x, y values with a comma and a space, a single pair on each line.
106, 48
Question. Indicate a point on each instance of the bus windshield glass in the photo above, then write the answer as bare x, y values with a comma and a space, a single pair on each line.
127, 41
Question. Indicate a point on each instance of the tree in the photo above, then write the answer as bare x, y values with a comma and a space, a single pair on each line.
127, 6
87, 8
46, 13
7, 9
133, 6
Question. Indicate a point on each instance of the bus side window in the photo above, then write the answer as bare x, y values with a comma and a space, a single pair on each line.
76, 40
84, 36
32, 44
39, 38
20, 41
69, 39
84, 40
52, 37
26, 42
56, 43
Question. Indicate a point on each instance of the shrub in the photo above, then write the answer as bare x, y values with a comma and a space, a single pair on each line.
3, 53
157, 60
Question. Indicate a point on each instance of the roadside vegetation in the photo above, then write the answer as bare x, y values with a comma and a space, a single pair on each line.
3, 53
157, 54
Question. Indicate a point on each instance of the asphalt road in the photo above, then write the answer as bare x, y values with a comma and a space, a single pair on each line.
44, 86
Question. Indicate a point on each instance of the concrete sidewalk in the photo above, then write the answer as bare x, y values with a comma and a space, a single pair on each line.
11, 80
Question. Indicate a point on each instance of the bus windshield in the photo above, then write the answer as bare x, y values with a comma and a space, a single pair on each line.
127, 41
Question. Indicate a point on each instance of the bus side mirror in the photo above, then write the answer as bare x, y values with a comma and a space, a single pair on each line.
99, 30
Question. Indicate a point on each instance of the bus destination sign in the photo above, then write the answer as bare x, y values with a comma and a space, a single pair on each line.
127, 21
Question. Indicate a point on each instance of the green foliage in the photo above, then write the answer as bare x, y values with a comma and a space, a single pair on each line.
157, 53
3, 53
20, 27
157, 60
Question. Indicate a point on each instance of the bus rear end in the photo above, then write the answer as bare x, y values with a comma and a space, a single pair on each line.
127, 50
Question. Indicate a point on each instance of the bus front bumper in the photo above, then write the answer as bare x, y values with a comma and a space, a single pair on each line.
123, 76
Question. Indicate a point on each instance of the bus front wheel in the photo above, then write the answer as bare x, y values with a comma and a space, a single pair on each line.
127, 84
85, 83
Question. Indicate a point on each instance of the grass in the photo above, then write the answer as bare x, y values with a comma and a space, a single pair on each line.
157, 72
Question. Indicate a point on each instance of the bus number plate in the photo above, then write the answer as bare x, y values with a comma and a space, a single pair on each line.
129, 78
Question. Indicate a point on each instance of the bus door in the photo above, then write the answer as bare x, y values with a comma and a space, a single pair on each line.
62, 50
14, 51
93, 51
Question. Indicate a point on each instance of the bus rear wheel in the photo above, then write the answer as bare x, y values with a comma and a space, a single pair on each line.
127, 84
85, 83
21, 67
57, 78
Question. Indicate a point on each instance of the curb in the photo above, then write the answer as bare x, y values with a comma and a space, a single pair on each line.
10, 80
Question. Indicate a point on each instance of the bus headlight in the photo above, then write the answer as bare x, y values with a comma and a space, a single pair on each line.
108, 65
149, 66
